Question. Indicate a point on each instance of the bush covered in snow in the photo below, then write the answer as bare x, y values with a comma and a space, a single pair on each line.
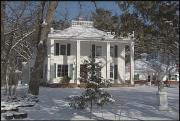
94, 94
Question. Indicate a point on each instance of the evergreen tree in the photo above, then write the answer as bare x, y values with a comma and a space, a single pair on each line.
104, 20
94, 93
149, 20
156, 26
60, 25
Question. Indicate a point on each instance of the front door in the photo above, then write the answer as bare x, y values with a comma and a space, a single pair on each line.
83, 73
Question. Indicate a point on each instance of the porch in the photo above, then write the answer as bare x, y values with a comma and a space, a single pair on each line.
111, 53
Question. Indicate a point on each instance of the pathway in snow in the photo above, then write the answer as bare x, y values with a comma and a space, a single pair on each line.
132, 103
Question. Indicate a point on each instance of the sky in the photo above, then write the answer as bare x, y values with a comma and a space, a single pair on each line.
74, 10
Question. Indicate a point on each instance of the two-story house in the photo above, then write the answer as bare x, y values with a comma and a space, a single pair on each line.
66, 50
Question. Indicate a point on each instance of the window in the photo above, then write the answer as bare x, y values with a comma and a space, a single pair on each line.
63, 49
57, 49
68, 49
169, 76
115, 72
71, 70
93, 50
111, 71
112, 51
98, 50
116, 51
149, 78
54, 66
62, 70
136, 77
176, 77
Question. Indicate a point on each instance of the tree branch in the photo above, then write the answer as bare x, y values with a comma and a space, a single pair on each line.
18, 52
25, 36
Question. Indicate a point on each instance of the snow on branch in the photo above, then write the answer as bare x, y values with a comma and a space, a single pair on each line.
110, 99
92, 82
19, 53
28, 52
11, 31
25, 36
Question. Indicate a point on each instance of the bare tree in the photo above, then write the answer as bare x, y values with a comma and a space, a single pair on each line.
41, 39
2, 38
161, 70
16, 33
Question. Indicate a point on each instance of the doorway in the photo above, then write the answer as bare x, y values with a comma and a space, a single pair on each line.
83, 73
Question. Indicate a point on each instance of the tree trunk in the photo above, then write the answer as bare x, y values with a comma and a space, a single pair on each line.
36, 72
2, 42
2, 24
5, 74
35, 76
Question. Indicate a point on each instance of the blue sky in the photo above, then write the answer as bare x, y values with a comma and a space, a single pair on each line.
73, 8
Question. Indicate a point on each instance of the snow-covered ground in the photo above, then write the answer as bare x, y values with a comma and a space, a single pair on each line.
132, 103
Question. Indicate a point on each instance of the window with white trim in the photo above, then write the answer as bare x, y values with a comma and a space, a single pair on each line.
62, 70
111, 71
56, 49
98, 51
112, 51
64, 49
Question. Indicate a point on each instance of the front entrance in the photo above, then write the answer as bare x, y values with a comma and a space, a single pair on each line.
83, 73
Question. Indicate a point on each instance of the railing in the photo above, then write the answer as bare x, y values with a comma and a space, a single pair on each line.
82, 23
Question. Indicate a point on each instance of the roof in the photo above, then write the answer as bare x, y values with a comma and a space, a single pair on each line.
143, 65
140, 65
81, 32
84, 30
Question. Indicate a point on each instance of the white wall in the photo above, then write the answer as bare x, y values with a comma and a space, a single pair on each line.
142, 76
86, 51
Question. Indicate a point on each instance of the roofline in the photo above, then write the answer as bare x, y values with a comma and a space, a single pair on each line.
123, 40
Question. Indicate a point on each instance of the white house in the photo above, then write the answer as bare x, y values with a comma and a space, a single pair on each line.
143, 69
66, 50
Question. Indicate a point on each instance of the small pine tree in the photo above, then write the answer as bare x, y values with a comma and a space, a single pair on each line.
94, 94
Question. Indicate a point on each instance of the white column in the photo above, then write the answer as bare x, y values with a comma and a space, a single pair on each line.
132, 63
108, 61
78, 62
52, 48
121, 63
50, 71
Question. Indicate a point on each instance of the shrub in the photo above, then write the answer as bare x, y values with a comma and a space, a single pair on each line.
66, 79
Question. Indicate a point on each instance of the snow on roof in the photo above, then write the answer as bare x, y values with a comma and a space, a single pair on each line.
143, 65
81, 29
140, 65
